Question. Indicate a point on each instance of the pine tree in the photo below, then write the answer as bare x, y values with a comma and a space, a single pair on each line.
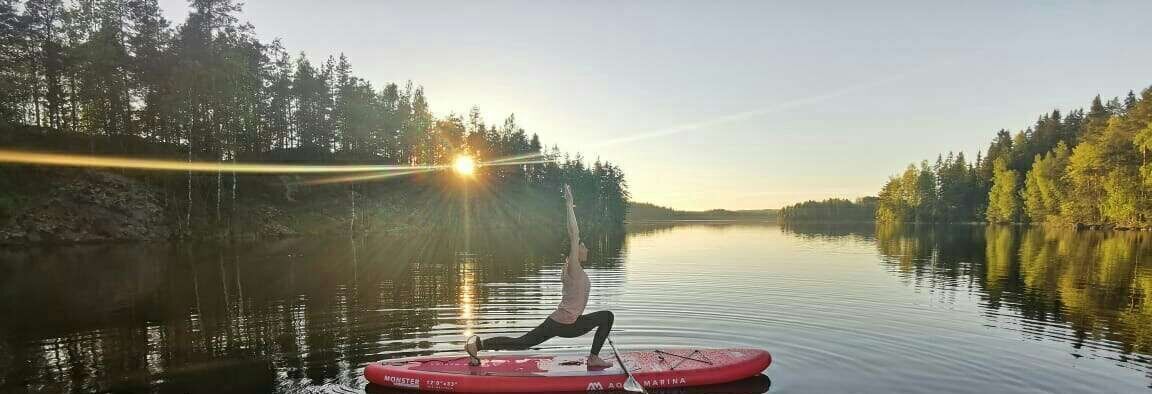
13, 64
342, 103
419, 123
1000, 146
388, 134
43, 20
926, 194
1071, 128
309, 108
149, 69
1115, 107
1097, 117
104, 75
276, 113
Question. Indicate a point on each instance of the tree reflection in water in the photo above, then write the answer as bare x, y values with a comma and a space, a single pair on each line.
257, 317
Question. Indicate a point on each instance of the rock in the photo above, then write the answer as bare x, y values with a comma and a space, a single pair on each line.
90, 206
65, 205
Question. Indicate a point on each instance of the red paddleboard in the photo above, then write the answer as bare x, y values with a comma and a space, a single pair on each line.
658, 368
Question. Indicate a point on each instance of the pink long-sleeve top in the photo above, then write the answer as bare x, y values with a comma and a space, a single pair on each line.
576, 288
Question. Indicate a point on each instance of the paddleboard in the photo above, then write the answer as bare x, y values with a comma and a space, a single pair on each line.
509, 373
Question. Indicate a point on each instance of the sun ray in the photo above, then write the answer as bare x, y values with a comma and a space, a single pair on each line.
526, 156
72, 160
517, 163
359, 173
360, 178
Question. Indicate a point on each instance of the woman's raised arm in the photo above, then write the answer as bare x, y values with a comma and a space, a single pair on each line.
573, 227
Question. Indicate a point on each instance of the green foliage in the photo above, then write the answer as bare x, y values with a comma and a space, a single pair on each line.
944, 192
1143, 141
1084, 168
1003, 203
1104, 175
891, 208
1085, 172
1045, 185
1122, 198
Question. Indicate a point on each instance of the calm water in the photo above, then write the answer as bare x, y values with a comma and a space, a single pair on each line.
842, 308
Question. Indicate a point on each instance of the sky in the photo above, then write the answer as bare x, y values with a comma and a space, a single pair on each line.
732, 104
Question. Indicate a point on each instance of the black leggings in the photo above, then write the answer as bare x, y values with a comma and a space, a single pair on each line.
601, 320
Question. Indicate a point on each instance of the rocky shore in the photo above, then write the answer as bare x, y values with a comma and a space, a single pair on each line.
54, 205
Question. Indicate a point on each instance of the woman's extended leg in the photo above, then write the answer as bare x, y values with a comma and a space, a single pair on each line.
601, 321
538, 335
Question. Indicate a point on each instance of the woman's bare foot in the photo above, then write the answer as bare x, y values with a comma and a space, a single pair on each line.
472, 346
595, 361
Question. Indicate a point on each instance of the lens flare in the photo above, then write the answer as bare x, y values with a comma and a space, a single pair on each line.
71, 160
375, 176
464, 165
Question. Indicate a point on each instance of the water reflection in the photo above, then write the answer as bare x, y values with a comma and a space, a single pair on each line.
842, 307
1090, 289
270, 316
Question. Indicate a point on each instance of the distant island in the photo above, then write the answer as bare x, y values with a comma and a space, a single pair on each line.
832, 210
640, 212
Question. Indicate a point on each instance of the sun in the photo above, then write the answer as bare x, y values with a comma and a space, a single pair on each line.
464, 165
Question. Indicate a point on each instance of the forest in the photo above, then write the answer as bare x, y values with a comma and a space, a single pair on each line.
1084, 168
640, 212
863, 209
115, 77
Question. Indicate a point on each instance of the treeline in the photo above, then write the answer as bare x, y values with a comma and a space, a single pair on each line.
1084, 168
117, 70
831, 210
640, 211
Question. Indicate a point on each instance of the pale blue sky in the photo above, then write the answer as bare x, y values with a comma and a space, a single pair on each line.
726, 104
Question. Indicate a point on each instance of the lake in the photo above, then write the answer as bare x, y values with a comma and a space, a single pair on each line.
842, 308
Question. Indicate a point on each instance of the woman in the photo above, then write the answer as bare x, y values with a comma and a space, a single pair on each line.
566, 321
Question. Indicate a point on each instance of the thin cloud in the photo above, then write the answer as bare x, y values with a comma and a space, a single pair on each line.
748, 114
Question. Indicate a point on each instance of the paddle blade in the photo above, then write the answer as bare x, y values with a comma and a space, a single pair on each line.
632, 385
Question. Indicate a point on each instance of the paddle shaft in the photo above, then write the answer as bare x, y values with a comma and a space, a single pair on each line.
625, 368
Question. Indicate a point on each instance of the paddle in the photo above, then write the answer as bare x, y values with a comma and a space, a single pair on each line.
631, 384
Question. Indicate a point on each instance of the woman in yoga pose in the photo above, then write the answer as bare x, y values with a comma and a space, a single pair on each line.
567, 321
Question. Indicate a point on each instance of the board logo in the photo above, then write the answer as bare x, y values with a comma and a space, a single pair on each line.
665, 382
595, 386
400, 381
